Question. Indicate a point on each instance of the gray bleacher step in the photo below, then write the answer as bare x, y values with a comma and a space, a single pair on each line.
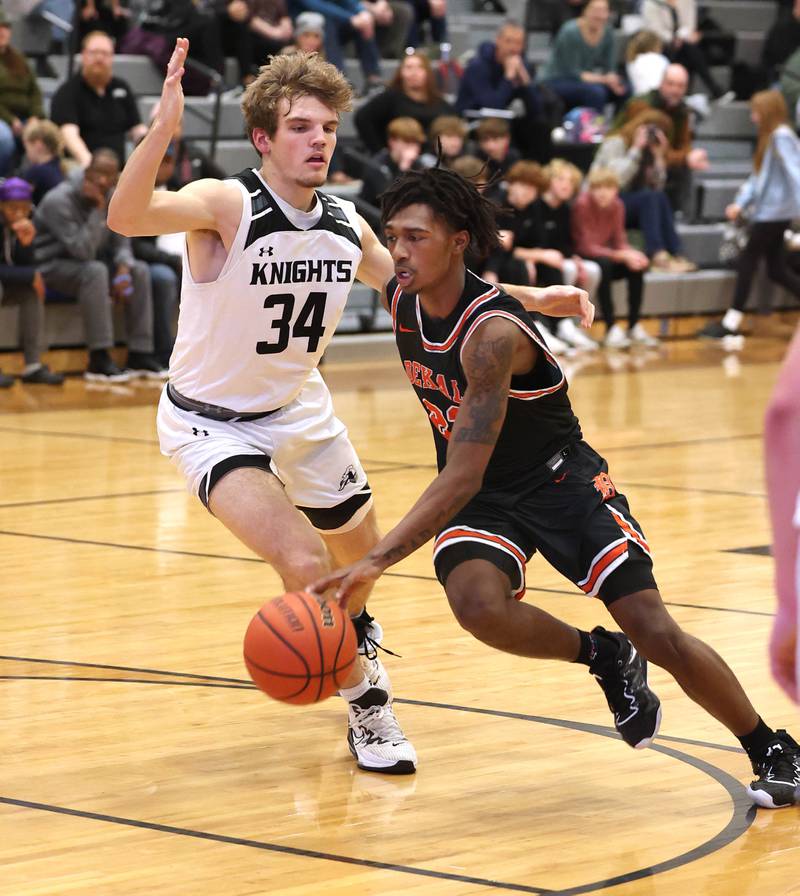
742, 15
726, 149
702, 292
748, 46
731, 121
715, 195
731, 168
701, 242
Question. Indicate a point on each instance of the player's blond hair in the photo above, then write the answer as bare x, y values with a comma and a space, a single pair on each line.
288, 78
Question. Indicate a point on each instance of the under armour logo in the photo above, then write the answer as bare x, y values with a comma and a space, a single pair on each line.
349, 475
197, 432
265, 249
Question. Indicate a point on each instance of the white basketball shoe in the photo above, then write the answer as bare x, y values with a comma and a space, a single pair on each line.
375, 737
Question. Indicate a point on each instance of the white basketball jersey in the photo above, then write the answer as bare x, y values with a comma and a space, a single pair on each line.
248, 340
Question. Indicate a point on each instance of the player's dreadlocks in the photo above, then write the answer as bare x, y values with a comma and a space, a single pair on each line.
451, 197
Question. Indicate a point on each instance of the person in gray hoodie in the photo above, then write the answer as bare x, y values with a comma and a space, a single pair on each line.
80, 256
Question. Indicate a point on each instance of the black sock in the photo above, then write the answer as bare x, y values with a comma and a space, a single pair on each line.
757, 740
361, 623
595, 648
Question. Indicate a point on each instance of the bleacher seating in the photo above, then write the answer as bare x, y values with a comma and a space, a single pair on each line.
727, 134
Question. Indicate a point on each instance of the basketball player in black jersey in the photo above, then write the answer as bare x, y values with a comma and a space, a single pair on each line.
516, 477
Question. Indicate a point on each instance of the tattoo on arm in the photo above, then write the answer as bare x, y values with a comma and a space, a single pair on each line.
489, 375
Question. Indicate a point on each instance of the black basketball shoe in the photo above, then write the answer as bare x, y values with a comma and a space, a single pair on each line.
778, 770
636, 709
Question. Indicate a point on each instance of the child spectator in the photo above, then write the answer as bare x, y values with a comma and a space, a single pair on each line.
598, 229
21, 283
449, 132
42, 166
645, 62
494, 146
309, 34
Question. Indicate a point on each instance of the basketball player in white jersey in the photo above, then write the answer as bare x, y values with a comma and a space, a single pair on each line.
268, 265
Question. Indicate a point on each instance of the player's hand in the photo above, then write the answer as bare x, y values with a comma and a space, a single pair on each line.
170, 106
358, 577
783, 652
566, 301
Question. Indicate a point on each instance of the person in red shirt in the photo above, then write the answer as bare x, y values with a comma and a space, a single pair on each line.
598, 231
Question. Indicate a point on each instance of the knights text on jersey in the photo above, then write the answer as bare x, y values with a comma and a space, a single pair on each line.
248, 340
539, 419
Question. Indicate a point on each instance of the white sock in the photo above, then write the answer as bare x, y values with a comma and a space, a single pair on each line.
733, 319
358, 690
31, 368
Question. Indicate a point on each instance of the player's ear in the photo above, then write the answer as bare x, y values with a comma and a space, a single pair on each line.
461, 240
261, 140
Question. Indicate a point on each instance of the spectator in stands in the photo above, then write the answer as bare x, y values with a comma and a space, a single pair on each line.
645, 62
598, 229
405, 138
682, 159
782, 39
345, 21
20, 97
582, 67
110, 16
412, 93
309, 34
42, 166
434, 12
93, 108
556, 261
21, 283
34, 10
80, 256
393, 22
522, 185
164, 258
637, 154
253, 30
770, 199
675, 22
496, 75
191, 163
493, 136
447, 134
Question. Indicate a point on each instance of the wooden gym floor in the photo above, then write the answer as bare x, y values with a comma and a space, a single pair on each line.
137, 758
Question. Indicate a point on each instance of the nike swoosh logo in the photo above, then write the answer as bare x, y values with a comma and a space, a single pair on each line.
406, 329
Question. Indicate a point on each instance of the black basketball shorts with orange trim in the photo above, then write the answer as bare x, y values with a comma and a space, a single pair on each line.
576, 520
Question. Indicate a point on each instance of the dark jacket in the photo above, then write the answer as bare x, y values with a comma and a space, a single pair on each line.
484, 83
16, 261
374, 116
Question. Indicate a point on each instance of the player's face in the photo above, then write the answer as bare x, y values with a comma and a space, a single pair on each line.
425, 251
300, 150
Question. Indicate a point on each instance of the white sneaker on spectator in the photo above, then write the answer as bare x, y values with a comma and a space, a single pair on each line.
555, 345
573, 335
639, 336
616, 338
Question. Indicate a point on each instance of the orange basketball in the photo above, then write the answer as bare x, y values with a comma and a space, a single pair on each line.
299, 648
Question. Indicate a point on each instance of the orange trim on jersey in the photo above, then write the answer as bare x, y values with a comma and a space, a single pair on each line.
629, 531
393, 307
518, 393
447, 344
601, 564
479, 536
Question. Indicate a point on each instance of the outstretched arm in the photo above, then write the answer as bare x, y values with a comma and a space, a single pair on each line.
555, 301
136, 209
487, 359
782, 450
376, 268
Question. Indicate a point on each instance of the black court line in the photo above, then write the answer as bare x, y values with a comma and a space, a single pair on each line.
761, 550
684, 488
245, 684
78, 498
741, 818
396, 575
709, 440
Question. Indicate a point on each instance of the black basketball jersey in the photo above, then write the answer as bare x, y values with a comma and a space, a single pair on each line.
539, 420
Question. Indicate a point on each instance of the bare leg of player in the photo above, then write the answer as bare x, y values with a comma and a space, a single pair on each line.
252, 504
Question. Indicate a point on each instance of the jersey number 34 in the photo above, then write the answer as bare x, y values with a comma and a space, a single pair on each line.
308, 323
